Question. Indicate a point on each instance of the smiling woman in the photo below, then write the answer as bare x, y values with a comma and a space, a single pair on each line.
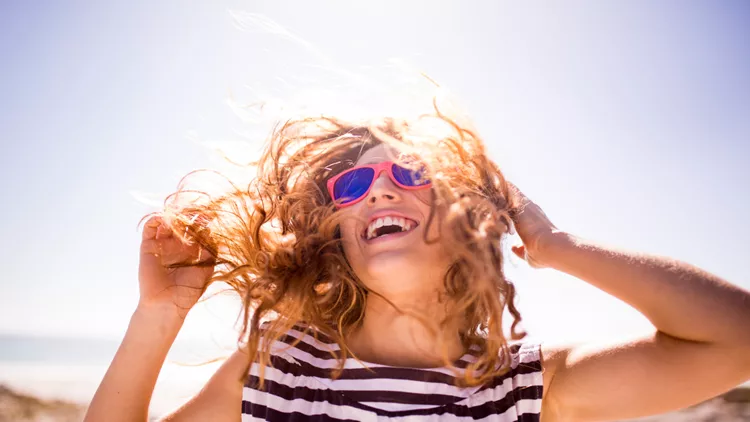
336, 179
368, 256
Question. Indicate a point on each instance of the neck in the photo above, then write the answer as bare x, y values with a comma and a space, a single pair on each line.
390, 336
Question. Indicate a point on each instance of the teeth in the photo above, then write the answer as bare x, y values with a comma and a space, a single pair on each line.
405, 225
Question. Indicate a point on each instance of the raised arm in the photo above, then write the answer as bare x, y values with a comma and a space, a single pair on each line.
125, 392
166, 295
701, 346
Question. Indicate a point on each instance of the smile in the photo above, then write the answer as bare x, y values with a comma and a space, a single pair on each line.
388, 226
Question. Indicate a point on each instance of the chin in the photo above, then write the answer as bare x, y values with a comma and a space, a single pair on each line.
385, 265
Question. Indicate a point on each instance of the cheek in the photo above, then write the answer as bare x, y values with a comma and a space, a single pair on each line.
438, 228
348, 234
349, 237
423, 196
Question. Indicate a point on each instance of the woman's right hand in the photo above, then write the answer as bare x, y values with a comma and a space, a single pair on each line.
171, 288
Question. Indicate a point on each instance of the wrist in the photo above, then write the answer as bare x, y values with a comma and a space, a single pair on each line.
165, 316
554, 248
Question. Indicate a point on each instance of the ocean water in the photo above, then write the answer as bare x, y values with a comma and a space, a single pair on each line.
71, 369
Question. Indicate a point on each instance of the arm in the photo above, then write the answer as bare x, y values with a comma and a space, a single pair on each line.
700, 349
680, 299
701, 346
167, 294
125, 392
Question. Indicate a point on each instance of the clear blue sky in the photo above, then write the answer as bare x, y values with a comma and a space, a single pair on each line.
628, 122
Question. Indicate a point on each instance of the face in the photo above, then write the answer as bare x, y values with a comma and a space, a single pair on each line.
400, 262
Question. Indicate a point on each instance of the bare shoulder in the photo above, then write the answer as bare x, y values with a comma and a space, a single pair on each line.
636, 376
554, 356
221, 397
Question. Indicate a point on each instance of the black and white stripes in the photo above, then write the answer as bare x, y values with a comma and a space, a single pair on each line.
298, 386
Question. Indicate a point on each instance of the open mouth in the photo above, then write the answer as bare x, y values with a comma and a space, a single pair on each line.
387, 226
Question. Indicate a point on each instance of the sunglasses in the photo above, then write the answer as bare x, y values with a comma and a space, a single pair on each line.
351, 186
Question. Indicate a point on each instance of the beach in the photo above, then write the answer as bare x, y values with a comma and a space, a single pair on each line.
42, 374
76, 384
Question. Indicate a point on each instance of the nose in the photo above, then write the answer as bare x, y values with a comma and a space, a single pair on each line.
384, 190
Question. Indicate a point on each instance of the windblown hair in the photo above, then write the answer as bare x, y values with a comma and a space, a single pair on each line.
277, 241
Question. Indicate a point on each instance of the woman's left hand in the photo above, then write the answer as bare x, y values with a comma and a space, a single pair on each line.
536, 230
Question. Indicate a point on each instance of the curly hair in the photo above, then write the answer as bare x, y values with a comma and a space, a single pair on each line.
277, 241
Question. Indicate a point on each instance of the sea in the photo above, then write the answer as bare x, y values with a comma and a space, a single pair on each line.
71, 368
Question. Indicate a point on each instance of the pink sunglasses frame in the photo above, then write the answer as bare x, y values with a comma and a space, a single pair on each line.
384, 166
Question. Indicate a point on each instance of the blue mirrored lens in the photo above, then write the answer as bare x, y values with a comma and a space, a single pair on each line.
352, 185
410, 177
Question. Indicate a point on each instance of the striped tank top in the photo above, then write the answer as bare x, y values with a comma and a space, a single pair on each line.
299, 387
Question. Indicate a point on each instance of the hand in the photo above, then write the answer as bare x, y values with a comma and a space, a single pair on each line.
535, 229
174, 288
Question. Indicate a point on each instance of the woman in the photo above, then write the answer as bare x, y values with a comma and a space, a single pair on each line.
372, 252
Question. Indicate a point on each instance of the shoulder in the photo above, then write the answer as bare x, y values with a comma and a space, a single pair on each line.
526, 356
517, 390
526, 366
553, 356
526, 349
534, 364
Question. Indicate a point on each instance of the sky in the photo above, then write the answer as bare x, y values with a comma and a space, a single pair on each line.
627, 122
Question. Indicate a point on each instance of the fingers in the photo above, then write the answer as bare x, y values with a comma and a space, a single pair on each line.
173, 250
156, 228
150, 247
522, 198
160, 242
205, 257
163, 232
151, 227
521, 252
155, 231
